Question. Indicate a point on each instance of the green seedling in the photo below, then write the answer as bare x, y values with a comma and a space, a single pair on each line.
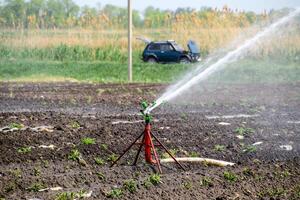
88, 141
249, 149
183, 116
219, 147
36, 171
244, 131
101, 176
104, 146
74, 155
207, 182
16, 125
147, 184
66, 196
99, 161
172, 151
112, 158
24, 150
248, 172
17, 173
193, 154
115, 193
273, 193
81, 194
155, 179
130, 185
187, 185
282, 174
71, 195
75, 125
230, 176
46, 163
35, 187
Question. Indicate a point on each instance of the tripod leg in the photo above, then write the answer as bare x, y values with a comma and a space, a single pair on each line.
126, 150
167, 151
155, 155
138, 153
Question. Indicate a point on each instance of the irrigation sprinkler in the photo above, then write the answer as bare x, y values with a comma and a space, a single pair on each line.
148, 143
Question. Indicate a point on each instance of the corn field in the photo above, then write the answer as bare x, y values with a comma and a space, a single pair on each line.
102, 36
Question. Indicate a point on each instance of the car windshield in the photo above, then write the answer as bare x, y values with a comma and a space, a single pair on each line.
177, 47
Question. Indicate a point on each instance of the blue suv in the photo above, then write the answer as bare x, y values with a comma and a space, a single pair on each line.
170, 51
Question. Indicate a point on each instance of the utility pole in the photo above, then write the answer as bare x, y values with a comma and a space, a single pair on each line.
129, 41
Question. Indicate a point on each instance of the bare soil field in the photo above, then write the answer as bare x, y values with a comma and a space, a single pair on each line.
45, 153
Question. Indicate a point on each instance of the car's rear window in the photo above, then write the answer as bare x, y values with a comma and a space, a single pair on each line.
154, 47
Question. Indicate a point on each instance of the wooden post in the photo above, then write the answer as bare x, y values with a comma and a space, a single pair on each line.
129, 41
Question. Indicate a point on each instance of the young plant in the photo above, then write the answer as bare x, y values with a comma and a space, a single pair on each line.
101, 176
219, 147
36, 171
130, 185
230, 176
74, 155
114, 193
81, 194
35, 187
249, 149
147, 184
16, 125
155, 179
172, 151
66, 196
112, 157
88, 141
193, 154
104, 146
24, 150
244, 131
248, 172
99, 161
75, 125
17, 173
207, 182
187, 185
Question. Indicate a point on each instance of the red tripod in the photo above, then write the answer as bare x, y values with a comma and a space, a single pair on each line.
147, 142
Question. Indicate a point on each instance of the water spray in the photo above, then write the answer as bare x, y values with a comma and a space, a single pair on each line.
230, 57
181, 86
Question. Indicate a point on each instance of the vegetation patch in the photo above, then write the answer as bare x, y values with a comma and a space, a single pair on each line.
230, 176
88, 141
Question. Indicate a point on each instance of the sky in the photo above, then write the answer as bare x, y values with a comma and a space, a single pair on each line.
247, 5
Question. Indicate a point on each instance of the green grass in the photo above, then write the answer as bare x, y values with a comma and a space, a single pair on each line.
96, 71
245, 71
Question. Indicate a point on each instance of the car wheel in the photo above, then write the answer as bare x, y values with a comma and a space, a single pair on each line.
184, 60
152, 60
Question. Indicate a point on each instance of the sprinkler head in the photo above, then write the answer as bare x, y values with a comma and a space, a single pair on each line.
147, 116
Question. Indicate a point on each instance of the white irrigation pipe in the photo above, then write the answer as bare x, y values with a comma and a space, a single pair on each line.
197, 159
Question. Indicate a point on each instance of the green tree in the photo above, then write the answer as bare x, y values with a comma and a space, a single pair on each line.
14, 13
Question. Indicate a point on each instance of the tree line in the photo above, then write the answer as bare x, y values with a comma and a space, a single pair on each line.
48, 14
